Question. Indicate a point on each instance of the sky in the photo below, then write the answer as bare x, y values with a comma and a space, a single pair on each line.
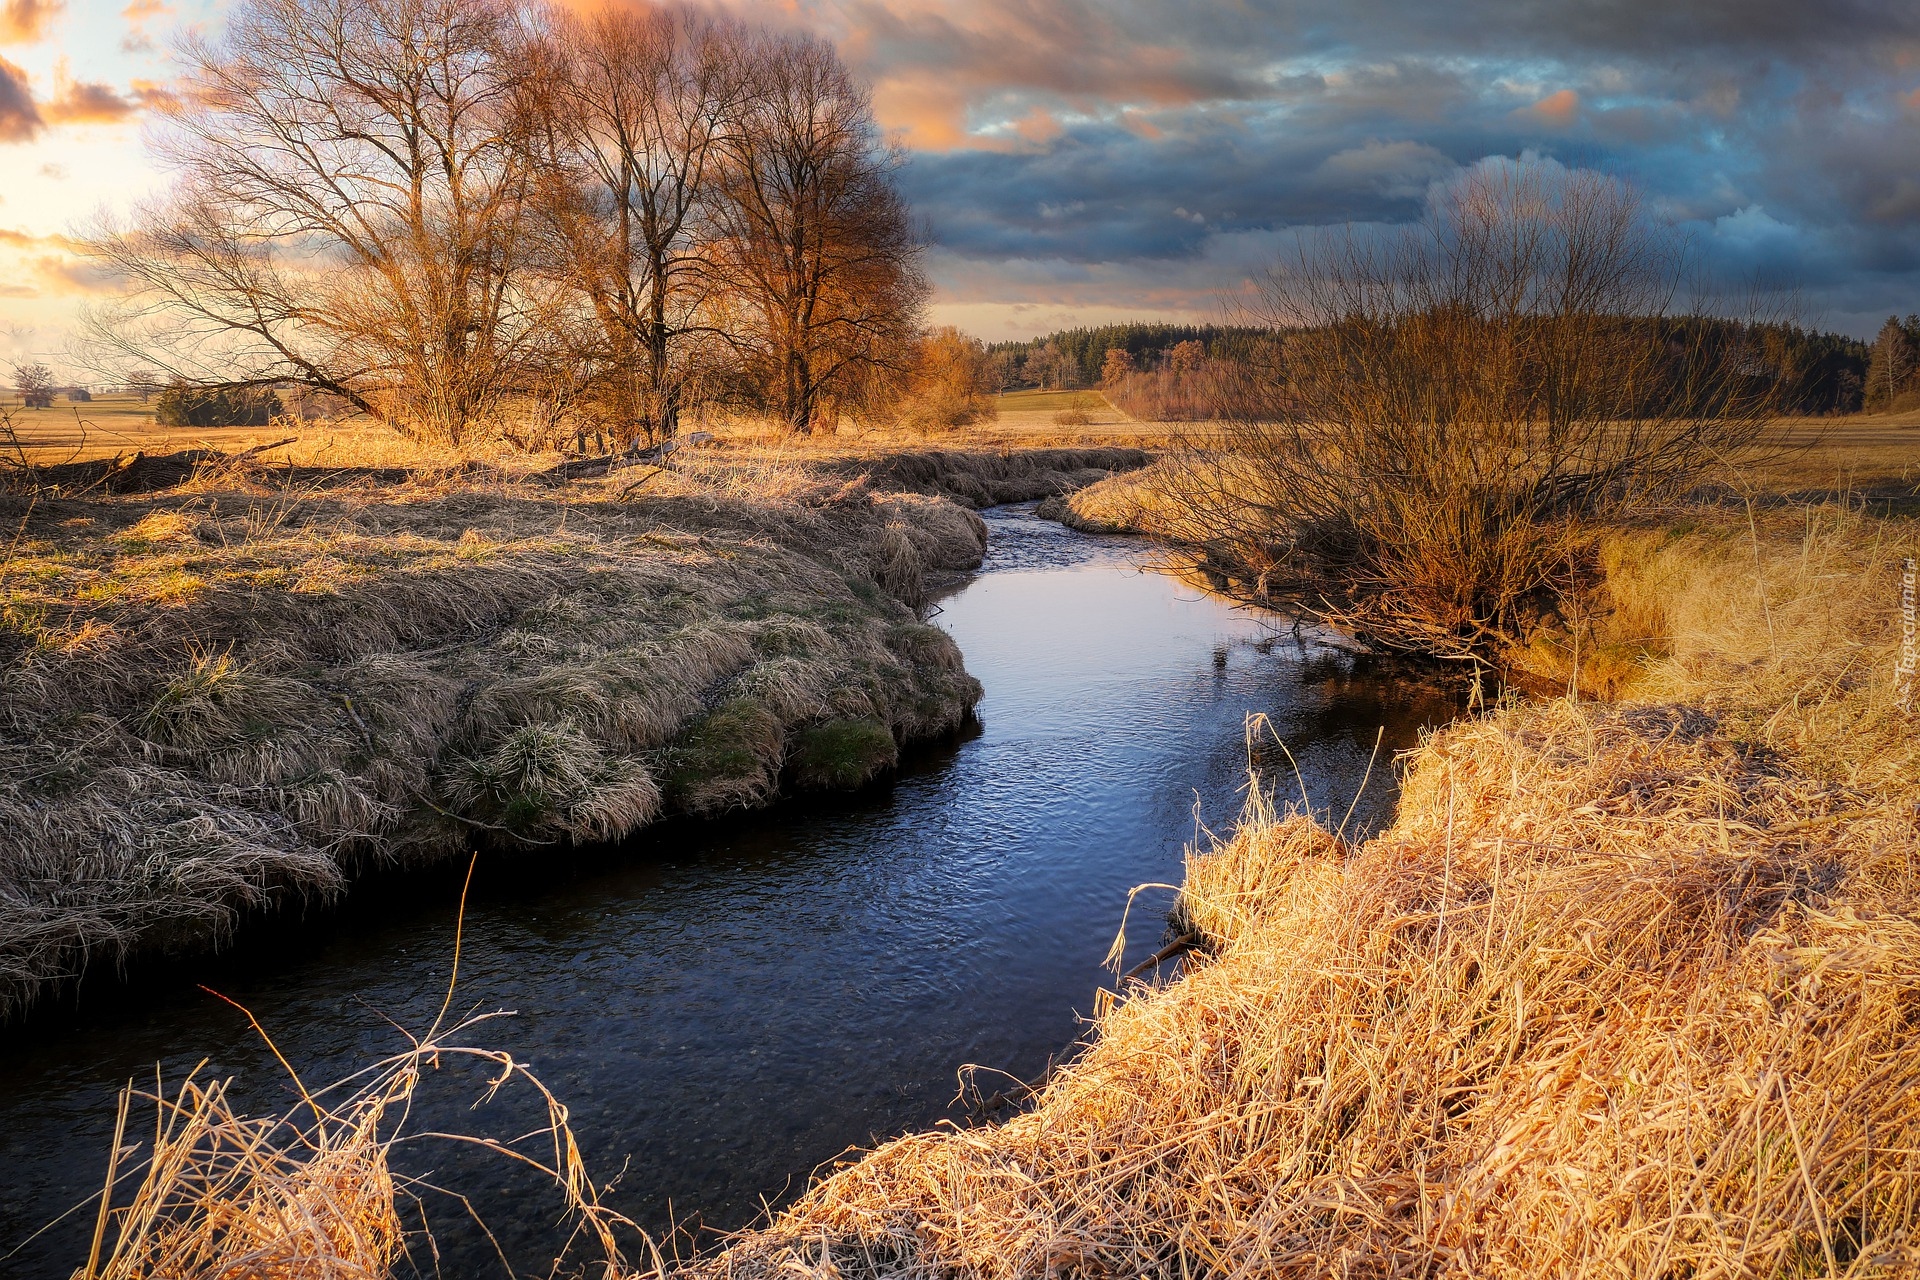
1085, 161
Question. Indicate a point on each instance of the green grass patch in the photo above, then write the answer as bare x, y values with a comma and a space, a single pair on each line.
843, 754
1050, 401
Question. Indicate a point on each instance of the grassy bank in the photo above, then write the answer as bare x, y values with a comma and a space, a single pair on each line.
228, 685
1628, 989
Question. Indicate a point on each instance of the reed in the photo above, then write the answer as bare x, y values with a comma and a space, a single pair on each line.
216, 1194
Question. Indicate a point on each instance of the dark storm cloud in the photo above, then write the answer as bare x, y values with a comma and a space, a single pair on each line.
1109, 136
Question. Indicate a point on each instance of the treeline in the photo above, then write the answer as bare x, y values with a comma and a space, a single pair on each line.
453, 214
1078, 357
1167, 372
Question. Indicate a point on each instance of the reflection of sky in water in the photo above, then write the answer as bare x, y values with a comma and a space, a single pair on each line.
725, 1006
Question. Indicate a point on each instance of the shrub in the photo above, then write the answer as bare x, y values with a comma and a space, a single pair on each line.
216, 406
1443, 413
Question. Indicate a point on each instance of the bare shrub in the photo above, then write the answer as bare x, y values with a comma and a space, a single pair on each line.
1203, 391
1420, 452
1078, 413
950, 382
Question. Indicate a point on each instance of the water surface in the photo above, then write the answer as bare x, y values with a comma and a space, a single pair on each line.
726, 1006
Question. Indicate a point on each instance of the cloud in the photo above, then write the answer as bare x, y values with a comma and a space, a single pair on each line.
64, 274
1557, 110
1093, 150
136, 15
26, 21
80, 102
14, 239
19, 118
93, 102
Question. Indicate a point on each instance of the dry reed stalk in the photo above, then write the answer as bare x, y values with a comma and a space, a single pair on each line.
310, 1195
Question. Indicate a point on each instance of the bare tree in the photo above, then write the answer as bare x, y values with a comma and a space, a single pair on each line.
346, 214
1442, 413
1052, 369
34, 382
632, 105
820, 249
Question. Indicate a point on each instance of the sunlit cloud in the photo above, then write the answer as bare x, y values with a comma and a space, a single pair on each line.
28, 21
84, 102
1556, 109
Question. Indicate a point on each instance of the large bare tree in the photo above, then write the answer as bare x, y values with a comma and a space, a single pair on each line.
350, 177
632, 105
819, 248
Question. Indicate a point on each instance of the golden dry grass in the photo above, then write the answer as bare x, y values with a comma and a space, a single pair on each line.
236, 689
1627, 990
219, 696
215, 1194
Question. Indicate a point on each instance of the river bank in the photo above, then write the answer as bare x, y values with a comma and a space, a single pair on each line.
1625, 989
228, 685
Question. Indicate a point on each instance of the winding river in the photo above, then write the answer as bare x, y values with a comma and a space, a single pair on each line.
726, 1006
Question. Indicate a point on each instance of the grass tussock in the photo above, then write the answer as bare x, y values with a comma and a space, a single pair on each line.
1628, 989
233, 690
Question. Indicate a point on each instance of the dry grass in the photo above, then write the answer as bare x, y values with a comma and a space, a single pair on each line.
235, 690
311, 1195
1628, 990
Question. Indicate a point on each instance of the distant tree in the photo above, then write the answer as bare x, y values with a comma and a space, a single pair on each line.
1051, 368
34, 382
1187, 356
1009, 367
1117, 365
143, 383
79, 395
1891, 365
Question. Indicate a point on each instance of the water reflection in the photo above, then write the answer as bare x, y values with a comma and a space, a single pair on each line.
725, 1006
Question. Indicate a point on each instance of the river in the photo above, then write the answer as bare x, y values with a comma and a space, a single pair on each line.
725, 1006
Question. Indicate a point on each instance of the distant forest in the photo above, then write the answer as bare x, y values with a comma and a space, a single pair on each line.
1818, 373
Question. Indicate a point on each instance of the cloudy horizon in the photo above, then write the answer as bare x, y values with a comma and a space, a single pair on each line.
1080, 162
